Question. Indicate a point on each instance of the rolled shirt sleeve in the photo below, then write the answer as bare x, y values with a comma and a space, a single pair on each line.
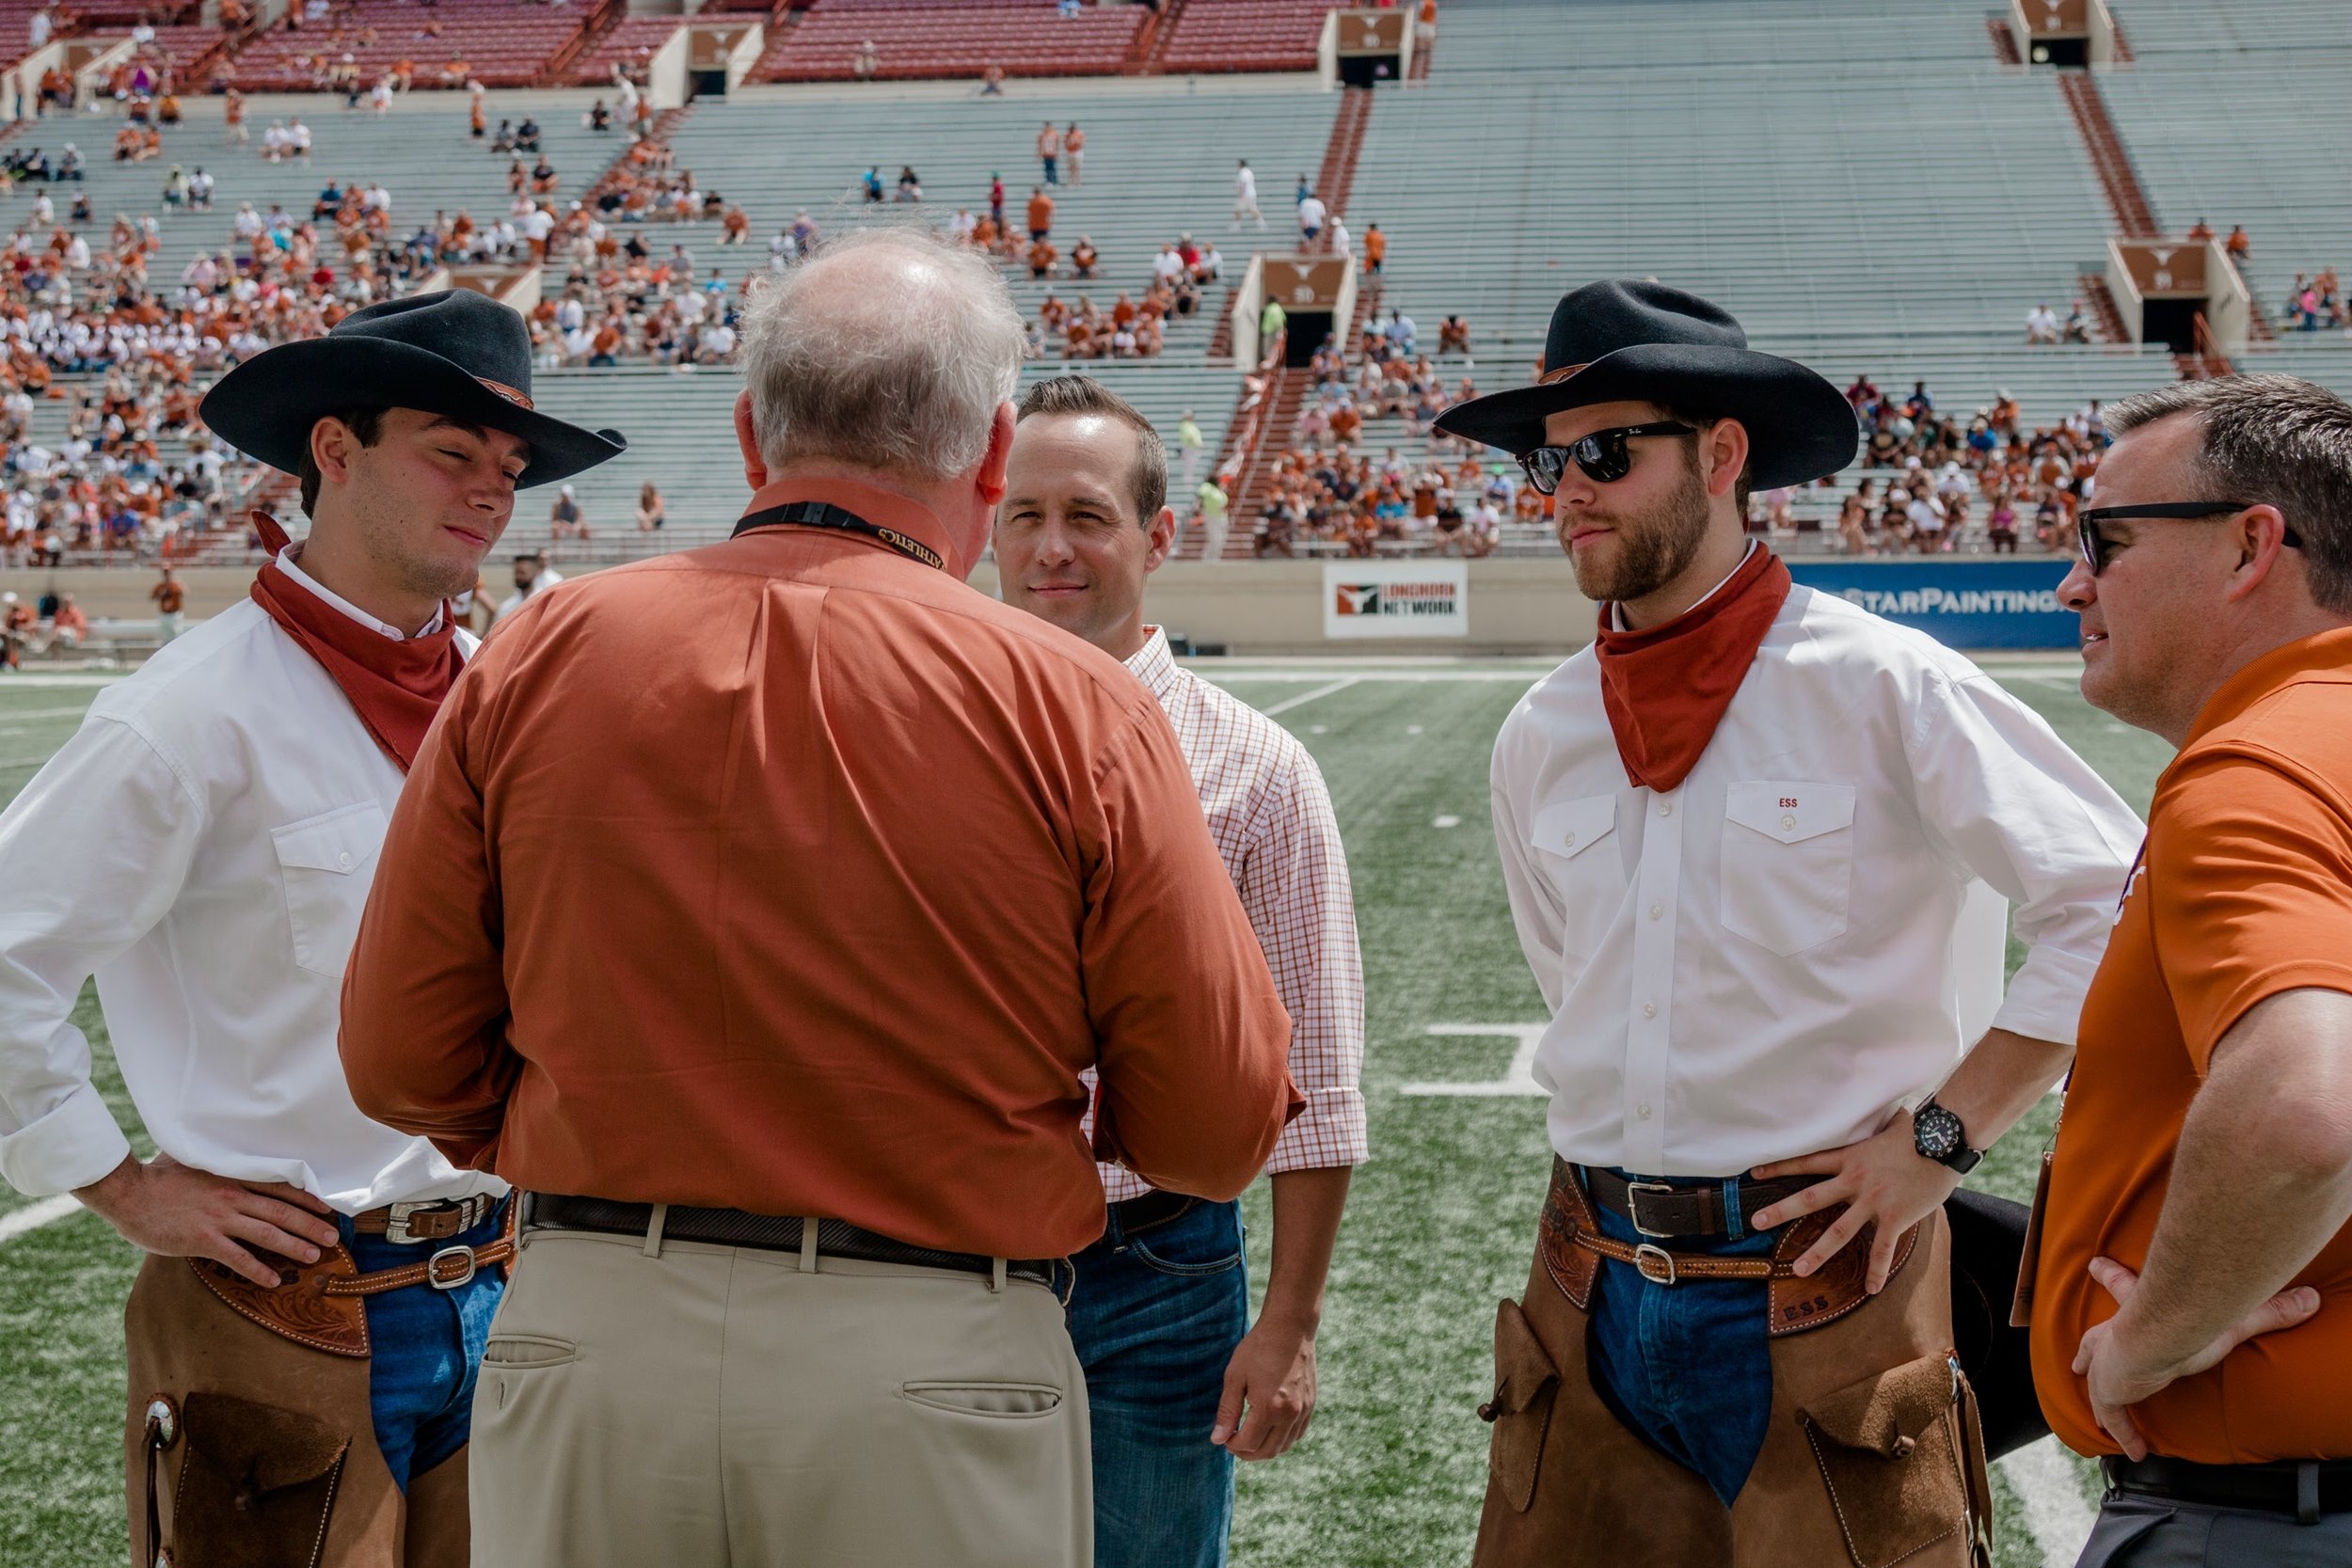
93, 854
1193, 1034
1294, 885
2013, 805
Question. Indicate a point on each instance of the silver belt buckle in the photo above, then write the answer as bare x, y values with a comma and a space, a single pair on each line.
1633, 1190
396, 1222
433, 1276
1646, 1256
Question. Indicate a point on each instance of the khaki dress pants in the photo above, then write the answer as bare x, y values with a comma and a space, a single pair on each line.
687, 1404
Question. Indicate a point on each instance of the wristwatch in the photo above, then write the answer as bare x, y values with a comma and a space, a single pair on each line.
1938, 1136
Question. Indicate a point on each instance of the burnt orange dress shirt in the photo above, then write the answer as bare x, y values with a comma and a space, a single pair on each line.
795, 875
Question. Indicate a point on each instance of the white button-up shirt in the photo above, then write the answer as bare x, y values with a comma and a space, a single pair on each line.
1766, 960
203, 844
1271, 817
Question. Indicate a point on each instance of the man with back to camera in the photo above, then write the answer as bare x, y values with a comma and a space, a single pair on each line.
1162, 1300
785, 1046
2198, 1191
318, 1286
1739, 835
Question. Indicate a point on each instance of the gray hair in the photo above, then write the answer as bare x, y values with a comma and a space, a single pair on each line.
2277, 440
892, 350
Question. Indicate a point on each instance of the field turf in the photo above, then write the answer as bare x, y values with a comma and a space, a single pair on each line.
1440, 1223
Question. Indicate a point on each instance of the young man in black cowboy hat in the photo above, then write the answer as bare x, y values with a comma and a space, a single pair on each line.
304, 1333
1740, 835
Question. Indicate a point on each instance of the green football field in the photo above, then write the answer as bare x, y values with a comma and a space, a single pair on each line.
1438, 1227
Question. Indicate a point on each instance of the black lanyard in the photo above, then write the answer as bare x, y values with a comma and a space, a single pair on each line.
824, 515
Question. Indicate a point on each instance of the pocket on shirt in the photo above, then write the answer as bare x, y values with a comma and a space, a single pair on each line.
325, 863
1570, 838
1788, 870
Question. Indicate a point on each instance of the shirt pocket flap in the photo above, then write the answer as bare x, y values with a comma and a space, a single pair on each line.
1791, 811
1569, 828
341, 841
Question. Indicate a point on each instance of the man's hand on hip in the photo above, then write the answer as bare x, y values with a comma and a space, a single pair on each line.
1884, 1179
1273, 1374
178, 1211
2118, 1373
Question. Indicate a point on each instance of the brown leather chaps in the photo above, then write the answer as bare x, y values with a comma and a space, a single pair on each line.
1872, 1456
247, 1446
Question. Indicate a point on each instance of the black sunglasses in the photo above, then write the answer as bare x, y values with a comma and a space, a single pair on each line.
1602, 455
2092, 525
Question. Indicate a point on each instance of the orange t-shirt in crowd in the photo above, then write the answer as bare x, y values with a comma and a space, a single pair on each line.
169, 597
1376, 248
2243, 891
1041, 213
793, 875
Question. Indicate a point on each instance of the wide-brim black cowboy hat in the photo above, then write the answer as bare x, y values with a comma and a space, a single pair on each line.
457, 353
1621, 341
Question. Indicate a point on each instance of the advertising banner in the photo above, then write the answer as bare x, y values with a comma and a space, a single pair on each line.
1989, 603
1396, 598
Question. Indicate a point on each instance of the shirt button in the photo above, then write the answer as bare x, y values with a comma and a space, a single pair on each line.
1568, 840
343, 860
1655, 911
1643, 1110
1665, 808
1649, 1010
1788, 824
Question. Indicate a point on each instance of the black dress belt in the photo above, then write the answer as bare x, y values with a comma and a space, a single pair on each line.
2305, 1489
1663, 1209
1150, 1209
767, 1232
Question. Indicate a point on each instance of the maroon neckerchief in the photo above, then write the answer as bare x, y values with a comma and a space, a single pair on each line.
396, 684
1666, 689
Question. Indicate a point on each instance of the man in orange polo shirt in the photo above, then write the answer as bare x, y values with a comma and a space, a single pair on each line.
2192, 1312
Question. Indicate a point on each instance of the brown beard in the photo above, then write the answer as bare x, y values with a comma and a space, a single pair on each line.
1652, 550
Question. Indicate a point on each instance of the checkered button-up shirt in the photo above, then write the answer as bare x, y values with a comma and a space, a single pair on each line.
1271, 817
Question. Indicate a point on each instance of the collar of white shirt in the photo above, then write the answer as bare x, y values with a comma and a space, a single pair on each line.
1154, 663
1617, 612
337, 602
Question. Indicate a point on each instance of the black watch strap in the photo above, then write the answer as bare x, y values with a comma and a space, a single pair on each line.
1938, 1136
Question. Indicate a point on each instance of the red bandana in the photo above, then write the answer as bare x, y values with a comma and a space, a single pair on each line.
396, 684
1666, 689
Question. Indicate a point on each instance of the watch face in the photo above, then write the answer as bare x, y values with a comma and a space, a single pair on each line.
1936, 1131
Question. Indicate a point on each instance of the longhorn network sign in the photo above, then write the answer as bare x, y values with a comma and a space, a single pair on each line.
1396, 598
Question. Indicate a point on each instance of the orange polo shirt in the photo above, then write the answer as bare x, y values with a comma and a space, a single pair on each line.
2244, 891
796, 876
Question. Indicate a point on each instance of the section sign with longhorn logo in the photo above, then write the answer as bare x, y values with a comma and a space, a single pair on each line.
1396, 598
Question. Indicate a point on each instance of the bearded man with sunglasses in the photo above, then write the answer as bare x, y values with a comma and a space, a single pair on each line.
1742, 835
2200, 1184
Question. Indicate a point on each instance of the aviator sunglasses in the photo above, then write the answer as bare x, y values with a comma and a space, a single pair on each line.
1602, 455
2096, 545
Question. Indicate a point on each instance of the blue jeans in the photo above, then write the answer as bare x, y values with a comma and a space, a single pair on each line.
1155, 1318
427, 1346
1687, 1365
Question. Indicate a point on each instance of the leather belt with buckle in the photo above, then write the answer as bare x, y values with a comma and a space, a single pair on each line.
1663, 1209
411, 1224
447, 1269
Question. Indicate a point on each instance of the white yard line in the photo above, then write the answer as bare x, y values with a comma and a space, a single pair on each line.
2058, 1515
20, 681
34, 1216
1289, 703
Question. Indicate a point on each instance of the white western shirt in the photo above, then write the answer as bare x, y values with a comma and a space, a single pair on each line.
1766, 960
1271, 817
204, 846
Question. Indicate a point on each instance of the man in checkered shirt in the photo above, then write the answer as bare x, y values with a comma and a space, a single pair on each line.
1178, 1389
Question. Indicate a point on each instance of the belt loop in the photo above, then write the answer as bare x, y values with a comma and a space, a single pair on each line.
653, 1229
996, 1288
2307, 1492
1735, 1223
808, 1243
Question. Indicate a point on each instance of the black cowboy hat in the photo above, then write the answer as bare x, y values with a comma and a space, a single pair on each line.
455, 352
1623, 341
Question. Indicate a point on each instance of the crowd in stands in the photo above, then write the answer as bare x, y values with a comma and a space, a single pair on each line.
1927, 477
1131, 328
2044, 326
2317, 301
133, 477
